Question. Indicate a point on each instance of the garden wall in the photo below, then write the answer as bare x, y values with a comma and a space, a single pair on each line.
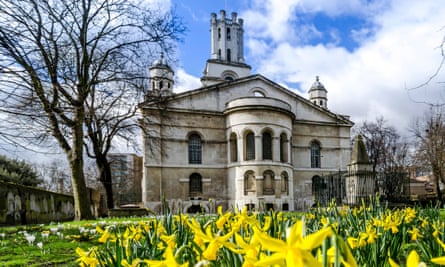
27, 205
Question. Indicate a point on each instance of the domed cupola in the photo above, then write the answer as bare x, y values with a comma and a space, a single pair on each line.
318, 94
161, 77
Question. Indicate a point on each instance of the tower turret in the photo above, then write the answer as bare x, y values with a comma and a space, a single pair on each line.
226, 50
161, 77
318, 94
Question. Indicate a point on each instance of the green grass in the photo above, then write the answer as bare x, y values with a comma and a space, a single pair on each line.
15, 250
58, 248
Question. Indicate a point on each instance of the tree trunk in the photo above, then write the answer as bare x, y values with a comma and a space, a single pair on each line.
82, 201
106, 179
438, 177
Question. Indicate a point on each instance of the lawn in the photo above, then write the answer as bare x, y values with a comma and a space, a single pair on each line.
370, 235
49, 245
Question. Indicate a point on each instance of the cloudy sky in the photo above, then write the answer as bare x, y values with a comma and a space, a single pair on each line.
368, 54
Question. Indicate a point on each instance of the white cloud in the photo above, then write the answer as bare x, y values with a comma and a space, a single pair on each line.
371, 80
185, 81
161, 4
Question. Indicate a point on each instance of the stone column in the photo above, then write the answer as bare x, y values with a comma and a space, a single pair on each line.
258, 148
259, 185
277, 186
240, 148
276, 148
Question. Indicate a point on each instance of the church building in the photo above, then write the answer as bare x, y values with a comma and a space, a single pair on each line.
238, 140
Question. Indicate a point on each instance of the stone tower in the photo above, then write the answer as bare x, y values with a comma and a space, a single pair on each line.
318, 94
226, 61
161, 77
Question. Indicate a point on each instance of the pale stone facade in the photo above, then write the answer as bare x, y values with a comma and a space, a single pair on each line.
240, 139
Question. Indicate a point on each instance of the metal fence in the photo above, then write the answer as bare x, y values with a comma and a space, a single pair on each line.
391, 186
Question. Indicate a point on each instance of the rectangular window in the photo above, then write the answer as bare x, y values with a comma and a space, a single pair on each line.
250, 146
267, 146
195, 149
315, 156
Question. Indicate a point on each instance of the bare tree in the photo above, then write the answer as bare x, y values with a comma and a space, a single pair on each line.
55, 176
387, 153
55, 56
111, 116
383, 144
429, 132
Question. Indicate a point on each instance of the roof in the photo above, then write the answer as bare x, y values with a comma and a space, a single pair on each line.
228, 85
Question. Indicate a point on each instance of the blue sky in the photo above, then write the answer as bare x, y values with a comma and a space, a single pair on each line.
325, 29
368, 53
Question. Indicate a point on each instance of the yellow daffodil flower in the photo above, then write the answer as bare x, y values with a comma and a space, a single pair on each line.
413, 260
87, 258
295, 251
371, 234
353, 242
415, 234
410, 214
106, 235
438, 260
169, 260
215, 242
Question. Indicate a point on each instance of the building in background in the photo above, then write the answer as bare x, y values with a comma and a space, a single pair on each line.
126, 171
240, 139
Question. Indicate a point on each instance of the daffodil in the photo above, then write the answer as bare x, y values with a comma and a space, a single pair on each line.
250, 250
106, 235
168, 261
295, 251
353, 242
438, 260
391, 222
413, 260
415, 234
215, 242
87, 258
436, 226
371, 234
410, 214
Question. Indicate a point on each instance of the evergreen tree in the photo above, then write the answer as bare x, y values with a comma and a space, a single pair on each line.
18, 172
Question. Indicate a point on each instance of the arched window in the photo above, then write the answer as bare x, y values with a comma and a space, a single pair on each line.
233, 148
229, 56
267, 146
161, 85
219, 33
250, 146
258, 94
195, 153
315, 154
195, 184
228, 34
284, 148
219, 53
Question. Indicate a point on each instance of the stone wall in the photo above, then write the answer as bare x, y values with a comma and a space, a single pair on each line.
27, 205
